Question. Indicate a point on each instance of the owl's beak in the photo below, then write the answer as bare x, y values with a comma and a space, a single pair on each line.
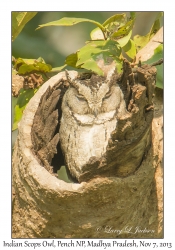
95, 109
95, 112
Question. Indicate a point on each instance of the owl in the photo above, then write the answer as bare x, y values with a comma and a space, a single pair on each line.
90, 111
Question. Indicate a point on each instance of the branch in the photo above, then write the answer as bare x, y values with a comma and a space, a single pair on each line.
148, 51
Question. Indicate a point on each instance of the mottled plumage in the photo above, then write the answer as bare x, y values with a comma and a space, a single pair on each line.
90, 108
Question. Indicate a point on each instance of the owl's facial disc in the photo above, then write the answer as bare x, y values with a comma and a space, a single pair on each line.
95, 95
93, 100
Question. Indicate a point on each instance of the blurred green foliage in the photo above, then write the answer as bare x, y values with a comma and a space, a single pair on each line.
54, 44
141, 41
20, 104
60, 46
19, 20
23, 66
158, 52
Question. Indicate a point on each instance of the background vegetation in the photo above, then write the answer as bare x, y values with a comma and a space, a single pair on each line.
54, 44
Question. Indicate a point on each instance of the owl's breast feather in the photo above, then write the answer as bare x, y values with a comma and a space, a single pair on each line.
91, 119
85, 136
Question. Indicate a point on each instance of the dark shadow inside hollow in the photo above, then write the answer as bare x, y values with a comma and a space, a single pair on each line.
58, 159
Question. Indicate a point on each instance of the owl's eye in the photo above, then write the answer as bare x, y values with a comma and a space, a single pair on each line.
108, 94
80, 97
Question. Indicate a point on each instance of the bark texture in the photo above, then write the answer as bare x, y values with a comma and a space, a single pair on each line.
46, 207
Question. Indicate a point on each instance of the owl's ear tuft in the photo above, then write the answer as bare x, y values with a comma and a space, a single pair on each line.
109, 69
110, 73
71, 78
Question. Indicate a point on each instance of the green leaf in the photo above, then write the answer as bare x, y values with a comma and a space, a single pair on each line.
118, 18
124, 40
141, 41
24, 66
63, 175
14, 101
91, 64
58, 69
124, 30
158, 54
159, 77
119, 64
97, 34
40, 59
69, 21
19, 20
72, 59
95, 50
14, 72
130, 49
154, 28
24, 96
132, 14
111, 24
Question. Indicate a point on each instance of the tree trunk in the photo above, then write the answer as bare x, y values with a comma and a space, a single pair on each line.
46, 207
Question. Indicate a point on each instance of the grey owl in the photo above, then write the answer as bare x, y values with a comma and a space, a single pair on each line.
90, 110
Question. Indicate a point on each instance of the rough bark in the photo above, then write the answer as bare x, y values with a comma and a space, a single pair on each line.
28, 81
148, 51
